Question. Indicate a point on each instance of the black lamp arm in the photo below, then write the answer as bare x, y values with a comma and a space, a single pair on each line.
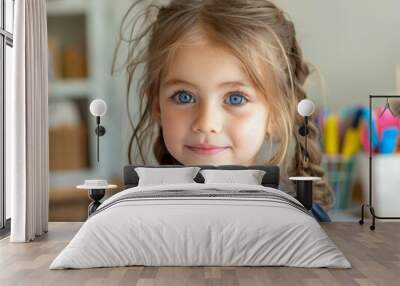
305, 138
100, 131
303, 131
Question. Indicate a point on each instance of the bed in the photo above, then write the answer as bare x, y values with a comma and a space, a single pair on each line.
201, 224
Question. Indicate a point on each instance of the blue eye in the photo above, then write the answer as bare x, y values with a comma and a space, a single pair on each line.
182, 97
236, 99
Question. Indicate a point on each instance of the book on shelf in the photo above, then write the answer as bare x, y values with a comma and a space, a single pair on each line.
74, 61
66, 61
55, 59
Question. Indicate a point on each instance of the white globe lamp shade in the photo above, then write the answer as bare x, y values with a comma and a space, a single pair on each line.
305, 107
98, 107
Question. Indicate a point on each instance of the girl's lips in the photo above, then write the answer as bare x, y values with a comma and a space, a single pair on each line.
206, 149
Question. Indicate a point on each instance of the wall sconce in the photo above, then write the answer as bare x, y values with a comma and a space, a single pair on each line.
305, 108
98, 108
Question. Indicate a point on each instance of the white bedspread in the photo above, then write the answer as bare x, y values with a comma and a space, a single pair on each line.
181, 231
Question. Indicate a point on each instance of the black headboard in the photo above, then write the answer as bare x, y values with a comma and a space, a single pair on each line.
270, 179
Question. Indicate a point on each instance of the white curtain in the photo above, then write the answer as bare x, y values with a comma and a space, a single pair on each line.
27, 173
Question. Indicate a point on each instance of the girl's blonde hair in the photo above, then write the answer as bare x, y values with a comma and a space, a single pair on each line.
260, 36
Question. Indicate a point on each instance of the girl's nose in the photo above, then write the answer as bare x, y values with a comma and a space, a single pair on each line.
207, 119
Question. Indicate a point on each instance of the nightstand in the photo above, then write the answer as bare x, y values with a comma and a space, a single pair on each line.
96, 191
304, 190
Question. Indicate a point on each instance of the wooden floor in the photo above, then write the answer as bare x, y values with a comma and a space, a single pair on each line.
374, 255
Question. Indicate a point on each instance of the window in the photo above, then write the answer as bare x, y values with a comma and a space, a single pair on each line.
6, 44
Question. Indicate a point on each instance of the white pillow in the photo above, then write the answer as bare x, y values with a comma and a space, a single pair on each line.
249, 177
162, 176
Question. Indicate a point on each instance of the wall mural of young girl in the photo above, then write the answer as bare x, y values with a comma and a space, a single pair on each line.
216, 80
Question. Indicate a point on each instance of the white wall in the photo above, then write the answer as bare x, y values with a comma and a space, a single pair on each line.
354, 43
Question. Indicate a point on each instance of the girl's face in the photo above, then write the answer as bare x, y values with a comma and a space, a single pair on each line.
209, 111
